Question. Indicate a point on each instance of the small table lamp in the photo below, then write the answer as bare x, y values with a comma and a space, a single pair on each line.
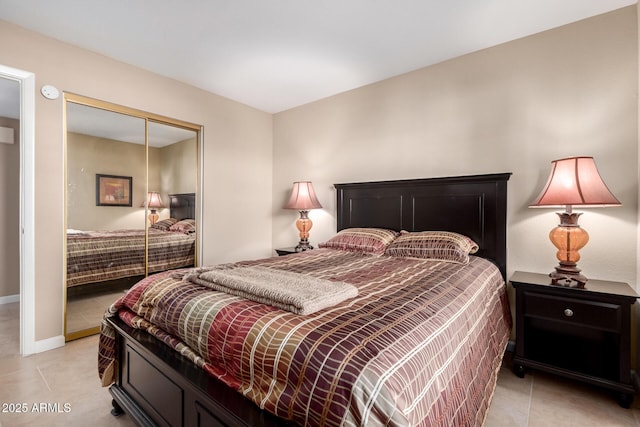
153, 202
303, 198
573, 181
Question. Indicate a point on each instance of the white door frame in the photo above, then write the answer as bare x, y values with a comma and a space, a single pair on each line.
27, 205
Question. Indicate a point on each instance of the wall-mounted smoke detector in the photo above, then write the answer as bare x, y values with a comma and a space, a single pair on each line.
50, 92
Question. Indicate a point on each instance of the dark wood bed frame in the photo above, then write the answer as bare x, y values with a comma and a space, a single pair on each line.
157, 386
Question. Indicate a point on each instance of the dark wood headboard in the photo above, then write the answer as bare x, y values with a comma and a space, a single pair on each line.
182, 206
475, 206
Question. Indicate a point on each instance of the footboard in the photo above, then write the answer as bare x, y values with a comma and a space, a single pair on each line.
156, 386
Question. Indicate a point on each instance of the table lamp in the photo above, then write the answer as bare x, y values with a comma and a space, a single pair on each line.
303, 198
574, 181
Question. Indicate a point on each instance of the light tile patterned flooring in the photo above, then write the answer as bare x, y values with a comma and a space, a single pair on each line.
542, 400
85, 309
68, 376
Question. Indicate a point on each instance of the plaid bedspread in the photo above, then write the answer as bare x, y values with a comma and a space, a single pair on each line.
96, 256
420, 345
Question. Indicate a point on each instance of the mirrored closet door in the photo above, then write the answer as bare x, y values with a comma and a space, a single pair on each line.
132, 183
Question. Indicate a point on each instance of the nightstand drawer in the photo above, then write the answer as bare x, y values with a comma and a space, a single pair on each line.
582, 312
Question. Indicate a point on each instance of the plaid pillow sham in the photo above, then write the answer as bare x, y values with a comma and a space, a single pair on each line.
164, 224
363, 240
185, 226
437, 245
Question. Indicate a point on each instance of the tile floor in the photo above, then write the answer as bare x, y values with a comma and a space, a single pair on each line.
67, 376
542, 400
85, 309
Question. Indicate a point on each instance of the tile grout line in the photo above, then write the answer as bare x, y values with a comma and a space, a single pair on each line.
43, 378
533, 379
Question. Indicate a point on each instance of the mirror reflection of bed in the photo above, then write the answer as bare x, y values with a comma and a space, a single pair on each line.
112, 246
103, 264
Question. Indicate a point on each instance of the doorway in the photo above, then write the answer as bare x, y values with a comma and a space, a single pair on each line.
26, 234
9, 215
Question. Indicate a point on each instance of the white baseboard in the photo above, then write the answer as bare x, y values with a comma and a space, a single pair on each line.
9, 299
49, 344
37, 346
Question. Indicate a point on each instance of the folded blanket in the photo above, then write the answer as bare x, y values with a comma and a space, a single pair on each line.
289, 291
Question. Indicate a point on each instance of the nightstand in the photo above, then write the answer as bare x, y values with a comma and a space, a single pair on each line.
286, 251
583, 334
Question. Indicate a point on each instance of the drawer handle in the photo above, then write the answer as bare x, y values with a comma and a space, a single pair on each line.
568, 312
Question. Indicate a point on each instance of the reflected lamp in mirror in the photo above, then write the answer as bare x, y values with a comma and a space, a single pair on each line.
153, 202
573, 181
303, 199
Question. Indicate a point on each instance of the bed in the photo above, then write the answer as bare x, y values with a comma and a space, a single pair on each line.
106, 256
420, 343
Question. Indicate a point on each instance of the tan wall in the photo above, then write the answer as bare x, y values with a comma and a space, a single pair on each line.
177, 170
172, 169
88, 156
511, 108
231, 131
10, 212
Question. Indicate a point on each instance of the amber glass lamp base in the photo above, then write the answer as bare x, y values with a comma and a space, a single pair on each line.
304, 224
153, 217
568, 237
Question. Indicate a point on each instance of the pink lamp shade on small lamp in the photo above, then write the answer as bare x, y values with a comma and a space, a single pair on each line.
574, 181
153, 202
303, 198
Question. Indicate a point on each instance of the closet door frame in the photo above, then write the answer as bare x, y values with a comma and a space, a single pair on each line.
148, 118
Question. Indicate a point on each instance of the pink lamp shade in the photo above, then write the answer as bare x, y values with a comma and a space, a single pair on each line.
573, 181
154, 201
303, 198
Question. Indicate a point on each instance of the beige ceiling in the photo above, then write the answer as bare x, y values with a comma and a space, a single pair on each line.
278, 54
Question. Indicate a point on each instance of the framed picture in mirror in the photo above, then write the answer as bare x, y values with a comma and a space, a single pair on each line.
113, 190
